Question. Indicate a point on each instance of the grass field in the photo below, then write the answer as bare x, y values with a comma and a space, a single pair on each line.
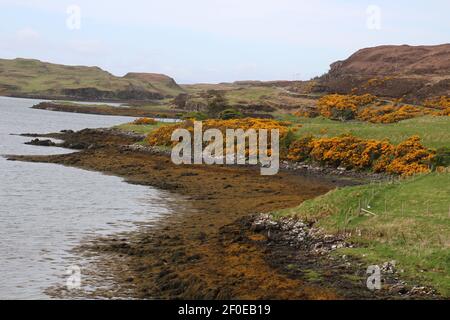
411, 225
434, 131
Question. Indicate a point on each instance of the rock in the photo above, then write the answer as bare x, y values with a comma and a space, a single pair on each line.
77, 146
318, 245
421, 291
388, 267
398, 289
44, 143
257, 227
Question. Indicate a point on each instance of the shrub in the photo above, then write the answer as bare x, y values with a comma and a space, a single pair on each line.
230, 114
367, 108
441, 105
216, 103
300, 149
411, 157
286, 141
407, 158
162, 135
343, 107
442, 157
390, 113
145, 121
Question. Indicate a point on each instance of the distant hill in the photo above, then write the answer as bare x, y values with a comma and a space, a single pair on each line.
34, 78
159, 81
412, 72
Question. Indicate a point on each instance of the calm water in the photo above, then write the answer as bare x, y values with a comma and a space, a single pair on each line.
47, 209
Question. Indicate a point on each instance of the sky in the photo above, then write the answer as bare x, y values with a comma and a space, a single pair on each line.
214, 41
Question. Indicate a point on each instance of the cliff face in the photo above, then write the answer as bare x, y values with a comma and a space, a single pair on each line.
412, 72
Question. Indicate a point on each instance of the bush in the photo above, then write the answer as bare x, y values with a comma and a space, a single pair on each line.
230, 114
410, 157
286, 141
407, 158
442, 157
343, 107
367, 108
300, 149
390, 113
145, 121
162, 135
216, 103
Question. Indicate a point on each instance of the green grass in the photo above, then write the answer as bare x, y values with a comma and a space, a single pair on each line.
411, 226
434, 131
141, 129
35, 77
312, 275
250, 94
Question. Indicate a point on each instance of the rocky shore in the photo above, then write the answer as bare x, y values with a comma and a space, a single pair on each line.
322, 248
213, 247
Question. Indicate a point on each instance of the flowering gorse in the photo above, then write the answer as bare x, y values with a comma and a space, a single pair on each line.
408, 158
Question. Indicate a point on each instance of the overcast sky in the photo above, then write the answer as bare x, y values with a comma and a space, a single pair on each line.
214, 40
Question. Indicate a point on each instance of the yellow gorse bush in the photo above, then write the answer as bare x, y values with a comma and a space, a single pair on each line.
331, 104
368, 108
162, 136
410, 157
407, 158
144, 121
390, 113
441, 105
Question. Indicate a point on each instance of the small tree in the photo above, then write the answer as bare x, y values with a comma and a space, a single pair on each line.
216, 103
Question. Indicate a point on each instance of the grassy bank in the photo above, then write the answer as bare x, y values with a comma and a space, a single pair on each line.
139, 128
433, 131
411, 224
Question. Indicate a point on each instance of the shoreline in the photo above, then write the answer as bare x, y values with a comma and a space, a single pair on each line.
213, 252
71, 98
105, 110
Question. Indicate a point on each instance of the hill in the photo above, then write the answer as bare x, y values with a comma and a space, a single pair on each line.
411, 72
159, 81
34, 78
